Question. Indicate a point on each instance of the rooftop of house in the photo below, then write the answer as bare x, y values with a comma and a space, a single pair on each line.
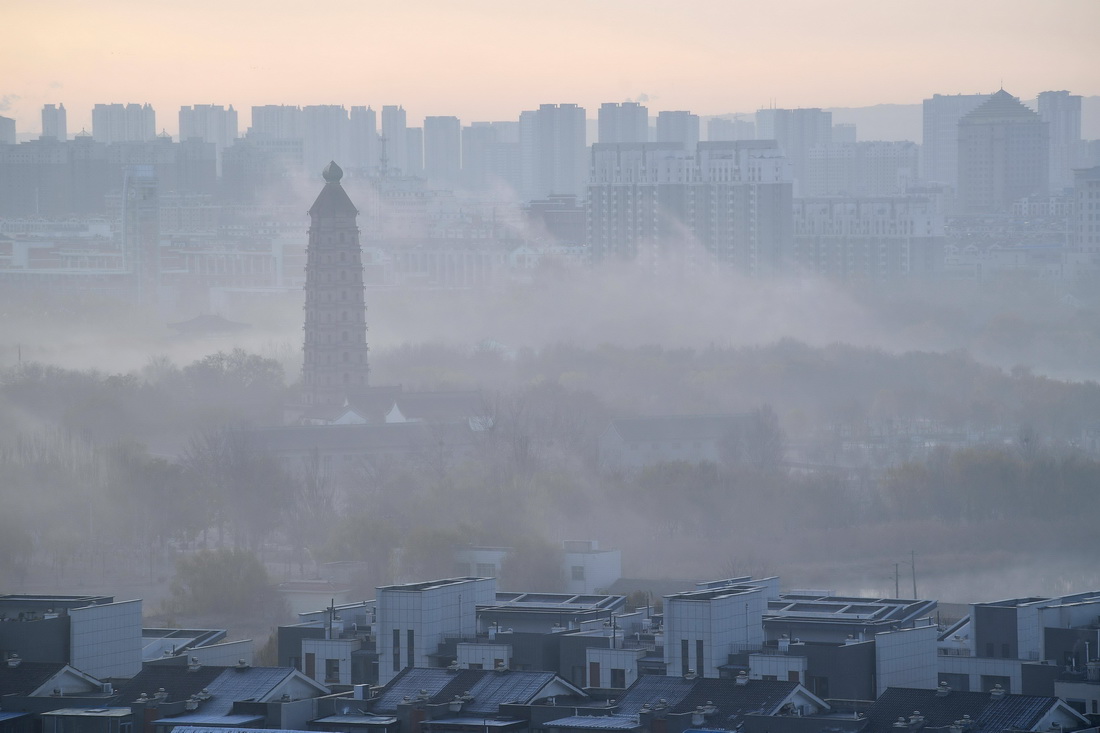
26, 677
160, 643
14, 604
725, 702
1045, 601
429, 584
939, 708
818, 607
487, 689
711, 594
178, 681
556, 601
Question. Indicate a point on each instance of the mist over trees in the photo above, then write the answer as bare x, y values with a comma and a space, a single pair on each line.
136, 472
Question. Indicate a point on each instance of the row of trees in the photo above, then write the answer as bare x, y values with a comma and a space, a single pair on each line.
80, 494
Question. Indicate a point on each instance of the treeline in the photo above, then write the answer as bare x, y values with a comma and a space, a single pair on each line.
90, 486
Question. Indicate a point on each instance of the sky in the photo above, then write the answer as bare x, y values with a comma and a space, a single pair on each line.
490, 59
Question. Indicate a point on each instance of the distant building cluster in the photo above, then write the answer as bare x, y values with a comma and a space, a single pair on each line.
995, 186
459, 654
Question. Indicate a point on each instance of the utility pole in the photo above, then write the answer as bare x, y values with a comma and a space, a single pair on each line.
913, 561
897, 593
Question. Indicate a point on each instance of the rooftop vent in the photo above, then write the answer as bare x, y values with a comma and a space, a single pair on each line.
690, 675
193, 664
243, 664
742, 678
161, 696
943, 690
14, 661
998, 692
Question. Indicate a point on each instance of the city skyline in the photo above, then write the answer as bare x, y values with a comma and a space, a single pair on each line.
711, 58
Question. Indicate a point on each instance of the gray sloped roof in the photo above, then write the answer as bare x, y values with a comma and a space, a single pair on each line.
733, 701
1010, 712
27, 676
678, 427
489, 688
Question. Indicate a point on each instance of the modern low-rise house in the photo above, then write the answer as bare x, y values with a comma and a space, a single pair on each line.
1021, 644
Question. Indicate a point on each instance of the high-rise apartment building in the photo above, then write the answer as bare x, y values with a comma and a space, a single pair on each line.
335, 315
627, 122
209, 123
678, 126
443, 150
54, 123
117, 123
363, 139
1062, 113
414, 151
394, 139
7, 130
1085, 227
326, 135
491, 157
667, 207
1004, 155
720, 129
141, 230
797, 131
271, 122
869, 168
552, 150
940, 144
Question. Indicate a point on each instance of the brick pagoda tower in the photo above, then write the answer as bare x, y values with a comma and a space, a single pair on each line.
335, 324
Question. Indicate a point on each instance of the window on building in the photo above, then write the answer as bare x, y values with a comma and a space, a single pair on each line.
699, 657
1006, 653
486, 570
578, 676
410, 655
618, 678
397, 650
685, 663
594, 674
577, 572
332, 671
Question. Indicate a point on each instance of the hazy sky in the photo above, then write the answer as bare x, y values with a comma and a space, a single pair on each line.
489, 59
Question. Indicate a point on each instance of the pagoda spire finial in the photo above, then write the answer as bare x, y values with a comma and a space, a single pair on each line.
332, 172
